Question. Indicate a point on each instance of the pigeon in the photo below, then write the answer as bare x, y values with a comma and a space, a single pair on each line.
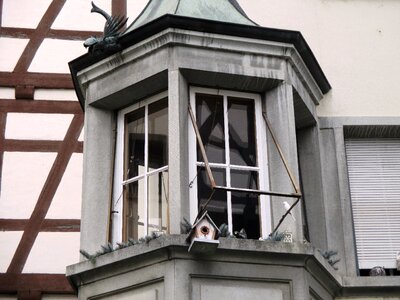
287, 207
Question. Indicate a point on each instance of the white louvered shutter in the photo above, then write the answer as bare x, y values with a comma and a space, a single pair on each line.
374, 175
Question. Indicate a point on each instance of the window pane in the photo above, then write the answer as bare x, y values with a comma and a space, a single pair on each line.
134, 159
245, 206
134, 210
158, 202
158, 134
242, 134
210, 120
217, 208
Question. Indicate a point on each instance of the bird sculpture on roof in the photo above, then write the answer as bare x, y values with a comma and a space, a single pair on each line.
112, 30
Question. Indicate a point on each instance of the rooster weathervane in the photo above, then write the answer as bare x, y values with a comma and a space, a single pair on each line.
112, 30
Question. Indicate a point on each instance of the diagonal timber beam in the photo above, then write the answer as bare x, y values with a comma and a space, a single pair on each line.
49, 189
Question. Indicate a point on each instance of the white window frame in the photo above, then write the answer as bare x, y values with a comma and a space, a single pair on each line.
117, 198
261, 168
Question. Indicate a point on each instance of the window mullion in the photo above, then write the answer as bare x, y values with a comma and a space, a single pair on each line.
227, 161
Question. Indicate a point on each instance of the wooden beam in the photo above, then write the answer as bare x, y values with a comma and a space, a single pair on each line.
29, 295
45, 283
37, 146
118, 8
26, 33
49, 189
40, 106
49, 225
3, 120
72, 34
38, 35
14, 32
24, 91
1, 12
38, 80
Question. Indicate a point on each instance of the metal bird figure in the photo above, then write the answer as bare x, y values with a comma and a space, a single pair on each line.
112, 30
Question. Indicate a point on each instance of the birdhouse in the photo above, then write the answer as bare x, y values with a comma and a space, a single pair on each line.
203, 235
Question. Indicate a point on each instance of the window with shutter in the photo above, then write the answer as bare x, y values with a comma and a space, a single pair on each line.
374, 177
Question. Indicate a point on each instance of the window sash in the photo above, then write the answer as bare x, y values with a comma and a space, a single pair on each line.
261, 154
117, 217
374, 178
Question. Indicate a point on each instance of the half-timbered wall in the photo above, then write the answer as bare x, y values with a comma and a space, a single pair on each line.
41, 142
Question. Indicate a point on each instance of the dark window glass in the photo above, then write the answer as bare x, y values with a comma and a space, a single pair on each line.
242, 135
217, 208
134, 210
245, 206
134, 165
210, 120
158, 134
157, 199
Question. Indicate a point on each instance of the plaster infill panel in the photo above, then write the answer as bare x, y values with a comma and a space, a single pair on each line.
10, 52
223, 289
23, 14
55, 95
27, 126
8, 244
23, 177
53, 55
66, 202
52, 251
76, 15
7, 93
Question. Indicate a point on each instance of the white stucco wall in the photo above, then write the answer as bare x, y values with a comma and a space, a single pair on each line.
356, 44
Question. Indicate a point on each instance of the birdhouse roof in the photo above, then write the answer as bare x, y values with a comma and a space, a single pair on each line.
205, 215
217, 10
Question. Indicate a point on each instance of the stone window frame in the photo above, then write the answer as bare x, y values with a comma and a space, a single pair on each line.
262, 157
117, 203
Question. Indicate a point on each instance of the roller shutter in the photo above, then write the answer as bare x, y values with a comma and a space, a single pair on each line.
374, 176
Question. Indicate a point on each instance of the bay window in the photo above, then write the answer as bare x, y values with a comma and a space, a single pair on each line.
234, 136
140, 197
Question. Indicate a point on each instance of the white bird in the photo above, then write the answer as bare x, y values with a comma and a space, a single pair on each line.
287, 207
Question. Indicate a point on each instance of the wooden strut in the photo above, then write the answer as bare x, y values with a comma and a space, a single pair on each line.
292, 179
214, 187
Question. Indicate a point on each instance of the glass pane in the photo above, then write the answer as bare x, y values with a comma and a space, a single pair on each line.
245, 206
210, 120
158, 202
158, 134
242, 133
134, 128
217, 208
134, 210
